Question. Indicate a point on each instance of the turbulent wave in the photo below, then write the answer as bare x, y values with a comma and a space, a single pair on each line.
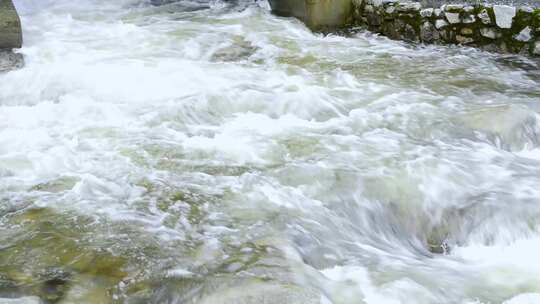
210, 152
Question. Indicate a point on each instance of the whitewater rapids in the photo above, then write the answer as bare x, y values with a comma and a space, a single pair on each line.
208, 152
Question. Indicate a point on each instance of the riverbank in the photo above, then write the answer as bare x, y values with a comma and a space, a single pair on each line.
500, 28
492, 27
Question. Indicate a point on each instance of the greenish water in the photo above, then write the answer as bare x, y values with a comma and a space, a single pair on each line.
214, 153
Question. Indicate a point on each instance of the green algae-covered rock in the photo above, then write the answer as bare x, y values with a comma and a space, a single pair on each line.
10, 26
317, 14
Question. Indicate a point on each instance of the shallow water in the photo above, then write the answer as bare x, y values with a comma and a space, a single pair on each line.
219, 154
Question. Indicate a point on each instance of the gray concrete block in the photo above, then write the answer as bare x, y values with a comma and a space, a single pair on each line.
10, 26
317, 14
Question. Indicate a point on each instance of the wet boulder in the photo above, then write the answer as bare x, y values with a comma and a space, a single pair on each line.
239, 49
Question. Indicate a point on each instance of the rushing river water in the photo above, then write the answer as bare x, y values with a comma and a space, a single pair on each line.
213, 153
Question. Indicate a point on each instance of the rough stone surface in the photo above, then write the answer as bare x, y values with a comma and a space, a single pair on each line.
484, 17
428, 12
489, 33
469, 19
453, 18
10, 26
453, 8
428, 33
409, 6
435, 3
524, 35
377, 3
536, 49
409, 34
468, 9
317, 15
504, 15
10, 61
464, 40
239, 50
440, 24
466, 31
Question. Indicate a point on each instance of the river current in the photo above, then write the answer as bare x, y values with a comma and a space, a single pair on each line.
209, 152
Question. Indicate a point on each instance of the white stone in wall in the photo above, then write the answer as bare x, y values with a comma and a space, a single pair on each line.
452, 7
440, 23
409, 6
437, 12
468, 9
484, 17
428, 12
504, 15
377, 3
536, 50
489, 33
390, 9
526, 9
524, 35
452, 17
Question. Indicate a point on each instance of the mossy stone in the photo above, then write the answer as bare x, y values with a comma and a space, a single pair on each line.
10, 26
317, 14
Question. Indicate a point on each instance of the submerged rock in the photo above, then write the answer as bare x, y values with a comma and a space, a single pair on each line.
508, 127
10, 60
55, 284
58, 185
270, 293
23, 300
238, 50
441, 248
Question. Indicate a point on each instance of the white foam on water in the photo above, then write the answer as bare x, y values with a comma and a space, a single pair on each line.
349, 155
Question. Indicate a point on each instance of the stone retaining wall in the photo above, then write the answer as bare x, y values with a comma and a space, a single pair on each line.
499, 28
